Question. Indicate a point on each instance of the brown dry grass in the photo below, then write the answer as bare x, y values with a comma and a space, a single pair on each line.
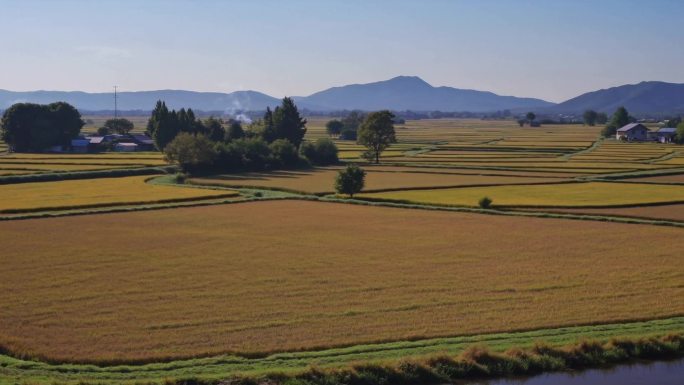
678, 178
322, 180
288, 275
665, 212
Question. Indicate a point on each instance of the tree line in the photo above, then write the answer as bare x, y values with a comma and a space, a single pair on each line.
274, 141
29, 127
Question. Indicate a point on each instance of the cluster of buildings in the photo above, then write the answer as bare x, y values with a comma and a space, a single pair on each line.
637, 132
113, 142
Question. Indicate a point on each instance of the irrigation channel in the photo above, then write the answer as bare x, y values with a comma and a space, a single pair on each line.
640, 373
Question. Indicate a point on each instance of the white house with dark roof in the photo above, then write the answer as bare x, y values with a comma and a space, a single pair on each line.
666, 134
633, 132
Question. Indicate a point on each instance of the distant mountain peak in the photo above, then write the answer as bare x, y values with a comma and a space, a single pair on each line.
408, 80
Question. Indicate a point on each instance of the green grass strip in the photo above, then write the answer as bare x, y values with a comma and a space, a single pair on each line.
209, 370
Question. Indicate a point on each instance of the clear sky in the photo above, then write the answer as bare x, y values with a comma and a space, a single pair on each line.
550, 49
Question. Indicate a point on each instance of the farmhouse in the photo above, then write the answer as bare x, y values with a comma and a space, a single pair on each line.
633, 132
80, 145
125, 147
144, 142
665, 134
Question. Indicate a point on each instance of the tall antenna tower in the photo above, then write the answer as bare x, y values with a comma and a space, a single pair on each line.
116, 107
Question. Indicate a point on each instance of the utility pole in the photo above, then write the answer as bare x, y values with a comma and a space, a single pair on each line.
116, 109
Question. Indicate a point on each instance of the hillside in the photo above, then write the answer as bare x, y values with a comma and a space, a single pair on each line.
645, 97
145, 100
400, 93
413, 93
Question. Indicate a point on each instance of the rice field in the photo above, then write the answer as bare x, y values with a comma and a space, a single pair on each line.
209, 280
321, 180
674, 212
45, 196
597, 194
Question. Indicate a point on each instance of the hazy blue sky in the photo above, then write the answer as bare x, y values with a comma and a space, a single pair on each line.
545, 48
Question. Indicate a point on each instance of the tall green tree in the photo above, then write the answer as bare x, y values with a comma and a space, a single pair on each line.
268, 130
288, 123
235, 131
35, 127
158, 114
679, 136
590, 117
166, 129
376, 133
190, 151
620, 118
214, 129
350, 180
530, 117
334, 127
117, 125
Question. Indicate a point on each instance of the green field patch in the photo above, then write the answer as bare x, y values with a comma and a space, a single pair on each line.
592, 194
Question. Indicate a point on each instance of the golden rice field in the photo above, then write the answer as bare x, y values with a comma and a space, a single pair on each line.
550, 195
321, 180
206, 280
41, 196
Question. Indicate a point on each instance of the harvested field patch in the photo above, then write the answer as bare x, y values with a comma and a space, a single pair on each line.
664, 212
549, 195
39, 196
231, 278
676, 178
322, 180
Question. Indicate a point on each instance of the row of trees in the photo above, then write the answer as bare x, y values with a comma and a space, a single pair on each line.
275, 141
29, 127
347, 127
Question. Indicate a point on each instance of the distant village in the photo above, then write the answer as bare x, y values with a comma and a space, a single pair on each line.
111, 142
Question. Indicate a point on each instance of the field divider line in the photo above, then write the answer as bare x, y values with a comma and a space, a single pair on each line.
93, 174
587, 150
474, 210
668, 156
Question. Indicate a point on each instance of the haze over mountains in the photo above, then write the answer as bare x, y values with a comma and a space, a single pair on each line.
399, 93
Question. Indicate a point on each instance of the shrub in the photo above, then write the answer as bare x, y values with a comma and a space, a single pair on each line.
180, 178
193, 153
118, 126
348, 134
350, 180
322, 152
283, 153
485, 203
256, 153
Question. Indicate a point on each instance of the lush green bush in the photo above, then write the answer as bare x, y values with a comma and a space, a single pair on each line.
283, 154
485, 202
322, 152
350, 180
28, 127
348, 134
192, 152
254, 153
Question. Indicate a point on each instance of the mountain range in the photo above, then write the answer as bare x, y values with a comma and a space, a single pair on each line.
642, 98
400, 93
